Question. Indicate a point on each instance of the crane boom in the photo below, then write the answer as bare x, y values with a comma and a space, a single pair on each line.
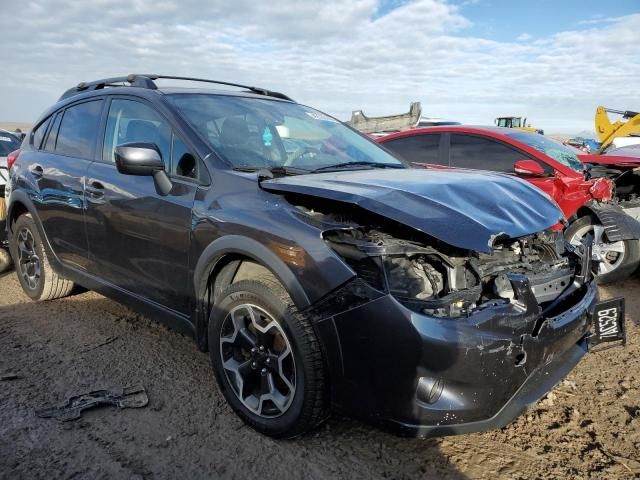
607, 131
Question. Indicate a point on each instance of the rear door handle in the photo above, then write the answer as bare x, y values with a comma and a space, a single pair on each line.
95, 191
37, 171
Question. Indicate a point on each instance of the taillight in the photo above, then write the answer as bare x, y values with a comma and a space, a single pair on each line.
12, 157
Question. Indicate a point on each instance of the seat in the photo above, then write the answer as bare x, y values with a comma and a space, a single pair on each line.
145, 131
238, 145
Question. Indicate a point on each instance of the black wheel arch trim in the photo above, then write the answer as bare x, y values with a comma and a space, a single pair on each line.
617, 224
19, 196
247, 247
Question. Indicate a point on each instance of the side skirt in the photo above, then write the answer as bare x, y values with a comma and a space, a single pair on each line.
174, 320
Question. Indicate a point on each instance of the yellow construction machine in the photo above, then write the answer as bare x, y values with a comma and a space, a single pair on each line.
608, 131
517, 122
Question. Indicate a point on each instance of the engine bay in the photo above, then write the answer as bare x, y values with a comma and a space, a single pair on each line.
436, 279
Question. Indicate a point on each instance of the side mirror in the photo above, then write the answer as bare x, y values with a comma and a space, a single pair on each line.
143, 159
138, 159
528, 167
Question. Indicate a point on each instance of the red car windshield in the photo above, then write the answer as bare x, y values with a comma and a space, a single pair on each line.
552, 148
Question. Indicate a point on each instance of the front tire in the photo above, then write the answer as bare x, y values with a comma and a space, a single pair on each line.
267, 359
37, 278
616, 260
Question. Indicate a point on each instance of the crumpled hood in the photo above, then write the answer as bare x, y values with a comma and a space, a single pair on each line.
466, 209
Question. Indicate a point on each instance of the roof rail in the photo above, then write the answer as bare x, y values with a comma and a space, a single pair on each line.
133, 80
258, 90
147, 81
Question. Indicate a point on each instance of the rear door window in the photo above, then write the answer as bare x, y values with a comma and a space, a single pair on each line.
79, 129
469, 151
423, 148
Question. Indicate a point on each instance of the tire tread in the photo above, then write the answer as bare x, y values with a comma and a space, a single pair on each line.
55, 286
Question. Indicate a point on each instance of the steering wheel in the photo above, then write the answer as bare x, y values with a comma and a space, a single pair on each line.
299, 153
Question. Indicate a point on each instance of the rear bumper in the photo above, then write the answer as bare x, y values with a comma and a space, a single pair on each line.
426, 376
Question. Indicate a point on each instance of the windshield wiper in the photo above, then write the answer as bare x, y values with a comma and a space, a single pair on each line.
273, 172
278, 170
339, 166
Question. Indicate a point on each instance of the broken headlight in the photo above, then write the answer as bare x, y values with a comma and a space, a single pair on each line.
445, 282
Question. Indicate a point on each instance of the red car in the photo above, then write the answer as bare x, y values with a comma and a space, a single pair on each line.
549, 165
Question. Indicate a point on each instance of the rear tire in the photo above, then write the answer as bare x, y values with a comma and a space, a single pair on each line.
619, 259
5, 260
252, 366
37, 278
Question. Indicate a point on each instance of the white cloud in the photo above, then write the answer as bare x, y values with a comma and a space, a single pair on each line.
335, 55
524, 37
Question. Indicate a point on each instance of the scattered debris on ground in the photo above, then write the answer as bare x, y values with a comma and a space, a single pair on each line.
127, 397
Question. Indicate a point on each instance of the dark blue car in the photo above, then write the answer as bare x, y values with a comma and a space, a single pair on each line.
319, 271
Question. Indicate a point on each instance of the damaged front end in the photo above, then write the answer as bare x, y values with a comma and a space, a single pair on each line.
448, 283
477, 336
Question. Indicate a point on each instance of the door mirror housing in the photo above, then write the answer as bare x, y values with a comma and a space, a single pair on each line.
528, 167
138, 159
143, 159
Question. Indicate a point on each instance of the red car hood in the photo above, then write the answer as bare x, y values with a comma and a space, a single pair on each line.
615, 160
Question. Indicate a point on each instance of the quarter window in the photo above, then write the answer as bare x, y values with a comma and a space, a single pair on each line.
468, 151
50, 143
131, 121
79, 129
38, 133
418, 148
183, 163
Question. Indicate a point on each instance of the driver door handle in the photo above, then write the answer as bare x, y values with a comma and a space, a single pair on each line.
95, 191
37, 171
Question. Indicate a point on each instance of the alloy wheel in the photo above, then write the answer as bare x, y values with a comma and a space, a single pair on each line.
258, 360
29, 264
608, 255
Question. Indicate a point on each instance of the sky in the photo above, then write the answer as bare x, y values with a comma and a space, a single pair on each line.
467, 60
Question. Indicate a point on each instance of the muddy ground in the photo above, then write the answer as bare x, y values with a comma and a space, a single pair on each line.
588, 427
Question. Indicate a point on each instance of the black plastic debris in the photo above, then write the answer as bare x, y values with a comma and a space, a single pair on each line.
9, 376
127, 397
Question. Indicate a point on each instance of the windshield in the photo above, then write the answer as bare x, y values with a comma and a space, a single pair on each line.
252, 133
554, 149
509, 122
8, 143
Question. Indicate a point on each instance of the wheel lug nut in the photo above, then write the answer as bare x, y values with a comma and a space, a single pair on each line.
268, 361
254, 364
261, 348
263, 371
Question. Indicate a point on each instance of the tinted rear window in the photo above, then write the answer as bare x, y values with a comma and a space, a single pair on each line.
38, 134
467, 151
50, 143
417, 148
8, 143
79, 129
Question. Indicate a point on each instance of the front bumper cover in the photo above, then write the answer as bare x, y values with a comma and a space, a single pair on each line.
480, 372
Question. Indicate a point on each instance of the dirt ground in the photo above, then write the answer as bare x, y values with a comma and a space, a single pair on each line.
588, 427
